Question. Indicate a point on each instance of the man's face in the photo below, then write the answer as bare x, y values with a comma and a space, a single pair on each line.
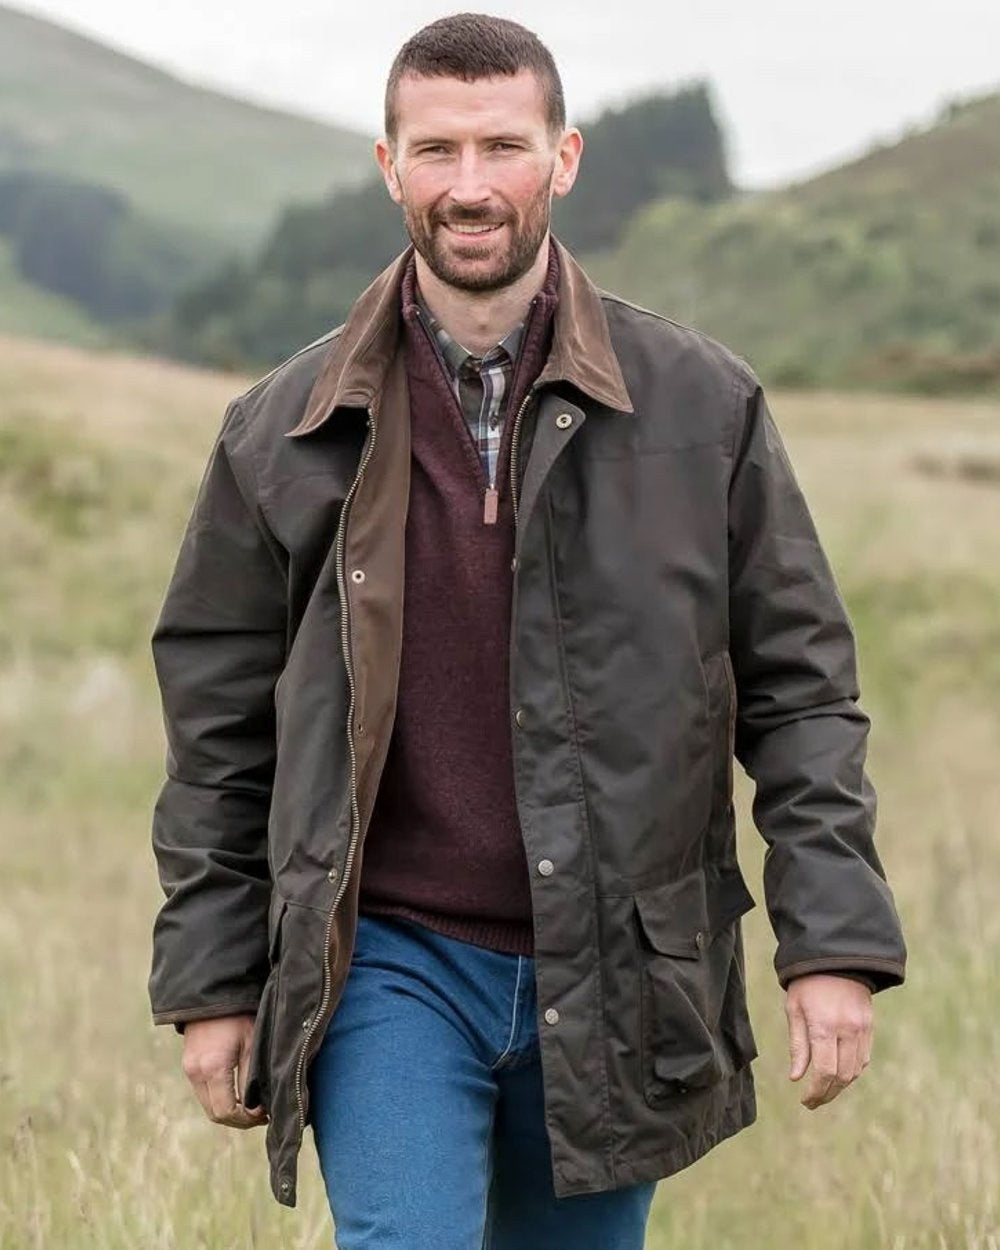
474, 166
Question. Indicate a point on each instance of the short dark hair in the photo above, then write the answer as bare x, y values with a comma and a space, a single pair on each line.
471, 46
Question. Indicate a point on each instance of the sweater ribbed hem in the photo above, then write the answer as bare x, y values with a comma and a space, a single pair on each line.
496, 935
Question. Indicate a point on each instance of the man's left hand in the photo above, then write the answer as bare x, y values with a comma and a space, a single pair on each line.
830, 1024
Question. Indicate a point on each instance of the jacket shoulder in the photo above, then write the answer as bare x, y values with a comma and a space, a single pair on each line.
657, 352
277, 401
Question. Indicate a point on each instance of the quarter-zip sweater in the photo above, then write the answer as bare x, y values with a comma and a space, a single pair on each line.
444, 845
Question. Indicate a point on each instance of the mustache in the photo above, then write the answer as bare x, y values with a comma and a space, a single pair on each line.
469, 217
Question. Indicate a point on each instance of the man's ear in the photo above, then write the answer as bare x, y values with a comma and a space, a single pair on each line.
567, 162
387, 164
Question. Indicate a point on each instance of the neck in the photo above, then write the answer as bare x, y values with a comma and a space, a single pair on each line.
480, 319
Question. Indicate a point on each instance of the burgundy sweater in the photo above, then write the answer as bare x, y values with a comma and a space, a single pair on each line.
444, 844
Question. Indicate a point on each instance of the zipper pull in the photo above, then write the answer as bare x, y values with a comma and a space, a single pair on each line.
490, 505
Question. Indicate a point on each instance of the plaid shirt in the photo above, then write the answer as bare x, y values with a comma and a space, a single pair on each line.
481, 385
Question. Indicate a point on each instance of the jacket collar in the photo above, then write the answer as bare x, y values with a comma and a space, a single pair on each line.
356, 364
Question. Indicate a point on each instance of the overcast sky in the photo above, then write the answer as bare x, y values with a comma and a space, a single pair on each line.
799, 84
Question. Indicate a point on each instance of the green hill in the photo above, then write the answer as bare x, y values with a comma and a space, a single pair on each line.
189, 157
885, 271
26, 309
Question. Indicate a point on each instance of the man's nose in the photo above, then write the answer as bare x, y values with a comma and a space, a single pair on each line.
470, 186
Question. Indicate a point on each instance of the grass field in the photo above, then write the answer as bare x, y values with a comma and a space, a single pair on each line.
101, 1145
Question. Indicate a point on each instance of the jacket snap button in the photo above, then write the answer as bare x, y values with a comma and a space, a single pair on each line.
358, 576
285, 1186
519, 718
552, 1016
564, 421
332, 875
306, 1022
546, 867
699, 939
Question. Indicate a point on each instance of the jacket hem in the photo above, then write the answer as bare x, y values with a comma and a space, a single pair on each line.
659, 1166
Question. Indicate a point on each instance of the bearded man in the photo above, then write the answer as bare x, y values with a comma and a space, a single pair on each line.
481, 595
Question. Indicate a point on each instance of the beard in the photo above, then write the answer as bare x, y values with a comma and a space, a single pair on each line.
489, 265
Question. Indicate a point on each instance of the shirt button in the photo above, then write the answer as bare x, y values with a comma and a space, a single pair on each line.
564, 420
519, 718
358, 576
552, 1016
546, 867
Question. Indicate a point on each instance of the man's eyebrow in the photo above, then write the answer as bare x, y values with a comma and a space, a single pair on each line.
419, 141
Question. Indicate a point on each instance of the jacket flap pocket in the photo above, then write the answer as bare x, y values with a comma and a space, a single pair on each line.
674, 916
728, 898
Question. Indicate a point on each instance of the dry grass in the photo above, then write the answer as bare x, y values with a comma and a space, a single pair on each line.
100, 1144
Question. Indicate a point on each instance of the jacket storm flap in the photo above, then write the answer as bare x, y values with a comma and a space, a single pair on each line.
671, 607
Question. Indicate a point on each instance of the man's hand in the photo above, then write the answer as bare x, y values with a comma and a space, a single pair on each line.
830, 1023
214, 1051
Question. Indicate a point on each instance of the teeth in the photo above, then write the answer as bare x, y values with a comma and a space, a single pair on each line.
473, 229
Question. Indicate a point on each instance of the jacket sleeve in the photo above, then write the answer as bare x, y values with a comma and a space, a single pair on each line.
218, 649
800, 733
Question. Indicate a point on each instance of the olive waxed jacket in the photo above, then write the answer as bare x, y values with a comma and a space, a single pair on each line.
671, 607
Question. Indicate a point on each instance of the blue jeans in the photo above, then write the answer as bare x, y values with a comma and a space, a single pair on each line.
427, 1109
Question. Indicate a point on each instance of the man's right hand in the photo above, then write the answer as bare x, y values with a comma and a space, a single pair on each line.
216, 1055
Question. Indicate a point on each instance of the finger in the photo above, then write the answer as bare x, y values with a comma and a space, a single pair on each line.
865, 1043
847, 1064
824, 1071
256, 1114
222, 1095
201, 1092
798, 1045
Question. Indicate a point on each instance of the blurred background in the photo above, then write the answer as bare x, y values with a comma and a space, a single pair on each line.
187, 197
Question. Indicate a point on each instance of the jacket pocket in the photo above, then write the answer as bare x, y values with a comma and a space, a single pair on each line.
258, 1086
695, 1029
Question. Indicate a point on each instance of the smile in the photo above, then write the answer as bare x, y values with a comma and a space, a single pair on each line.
473, 230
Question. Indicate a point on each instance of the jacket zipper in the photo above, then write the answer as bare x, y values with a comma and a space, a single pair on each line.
345, 642
515, 440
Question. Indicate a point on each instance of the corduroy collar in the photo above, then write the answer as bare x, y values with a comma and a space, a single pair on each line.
357, 362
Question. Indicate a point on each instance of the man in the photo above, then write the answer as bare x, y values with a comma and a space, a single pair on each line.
480, 596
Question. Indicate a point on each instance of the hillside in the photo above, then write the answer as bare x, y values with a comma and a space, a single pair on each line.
190, 157
885, 271
26, 309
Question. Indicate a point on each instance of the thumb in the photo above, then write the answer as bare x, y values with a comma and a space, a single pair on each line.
798, 1045
242, 1071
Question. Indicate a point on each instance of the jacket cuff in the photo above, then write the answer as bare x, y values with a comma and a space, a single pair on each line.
235, 1007
877, 974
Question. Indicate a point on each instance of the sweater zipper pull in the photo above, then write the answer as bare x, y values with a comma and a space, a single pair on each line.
490, 506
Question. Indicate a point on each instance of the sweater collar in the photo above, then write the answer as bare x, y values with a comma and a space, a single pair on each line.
355, 366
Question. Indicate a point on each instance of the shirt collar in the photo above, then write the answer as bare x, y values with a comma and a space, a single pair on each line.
455, 355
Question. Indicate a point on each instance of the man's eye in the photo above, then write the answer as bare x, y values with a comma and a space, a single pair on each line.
502, 146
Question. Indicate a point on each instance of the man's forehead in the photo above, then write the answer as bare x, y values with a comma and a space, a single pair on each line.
438, 102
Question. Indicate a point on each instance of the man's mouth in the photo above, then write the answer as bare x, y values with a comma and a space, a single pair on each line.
473, 229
